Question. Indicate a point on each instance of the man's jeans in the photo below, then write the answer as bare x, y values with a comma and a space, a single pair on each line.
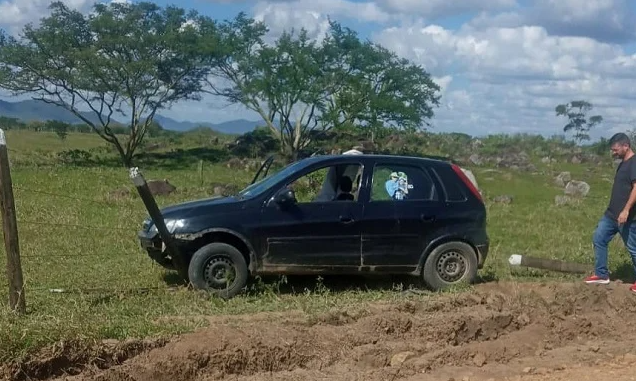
606, 229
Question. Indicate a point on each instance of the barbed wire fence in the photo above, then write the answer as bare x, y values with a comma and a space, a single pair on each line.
24, 257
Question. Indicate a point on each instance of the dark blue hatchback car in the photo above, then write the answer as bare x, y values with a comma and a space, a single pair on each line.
335, 214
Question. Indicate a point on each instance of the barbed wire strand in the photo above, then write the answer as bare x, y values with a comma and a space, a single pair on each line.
79, 290
67, 256
62, 225
23, 189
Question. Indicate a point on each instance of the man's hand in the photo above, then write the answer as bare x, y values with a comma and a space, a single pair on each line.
622, 218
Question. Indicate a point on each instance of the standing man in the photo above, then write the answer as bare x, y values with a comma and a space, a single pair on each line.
619, 216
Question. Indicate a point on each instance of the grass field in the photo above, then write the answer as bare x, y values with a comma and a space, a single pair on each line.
77, 238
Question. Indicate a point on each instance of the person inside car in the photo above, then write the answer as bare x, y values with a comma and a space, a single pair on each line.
346, 185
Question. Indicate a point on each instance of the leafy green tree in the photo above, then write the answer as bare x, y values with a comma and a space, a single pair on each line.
302, 87
60, 128
576, 112
8, 123
124, 58
378, 90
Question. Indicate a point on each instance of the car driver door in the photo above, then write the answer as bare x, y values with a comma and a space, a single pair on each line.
320, 229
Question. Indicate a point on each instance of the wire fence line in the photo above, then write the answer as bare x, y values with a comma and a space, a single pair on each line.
75, 198
99, 290
55, 271
66, 284
76, 226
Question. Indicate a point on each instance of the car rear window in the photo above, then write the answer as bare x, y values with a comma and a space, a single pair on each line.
451, 183
402, 182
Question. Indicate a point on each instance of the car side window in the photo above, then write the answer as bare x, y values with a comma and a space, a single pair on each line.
402, 182
333, 183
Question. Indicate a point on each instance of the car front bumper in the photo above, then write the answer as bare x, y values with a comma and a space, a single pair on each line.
152, 244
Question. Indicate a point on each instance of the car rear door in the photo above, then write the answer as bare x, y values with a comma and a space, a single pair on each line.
402, 207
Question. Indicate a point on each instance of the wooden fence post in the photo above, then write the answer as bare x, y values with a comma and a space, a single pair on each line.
17, 299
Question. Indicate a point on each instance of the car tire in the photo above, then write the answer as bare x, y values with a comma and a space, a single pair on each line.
206, 263
449, 264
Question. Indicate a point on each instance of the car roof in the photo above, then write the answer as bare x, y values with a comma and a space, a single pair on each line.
356, 157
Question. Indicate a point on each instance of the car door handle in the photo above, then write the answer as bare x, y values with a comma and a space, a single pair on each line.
346, 220
427, 217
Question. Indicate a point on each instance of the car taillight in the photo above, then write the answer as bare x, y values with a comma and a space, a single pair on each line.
467, 181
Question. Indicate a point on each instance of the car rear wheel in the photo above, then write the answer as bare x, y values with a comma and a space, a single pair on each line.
450, 264
218, 268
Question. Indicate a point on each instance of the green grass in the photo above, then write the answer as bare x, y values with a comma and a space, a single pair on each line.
114, 291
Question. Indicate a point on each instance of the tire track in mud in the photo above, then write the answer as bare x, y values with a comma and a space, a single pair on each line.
496, 328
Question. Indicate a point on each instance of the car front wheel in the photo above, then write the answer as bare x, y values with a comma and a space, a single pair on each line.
449, 264
218, 268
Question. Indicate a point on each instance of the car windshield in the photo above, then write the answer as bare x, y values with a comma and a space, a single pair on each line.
264, 184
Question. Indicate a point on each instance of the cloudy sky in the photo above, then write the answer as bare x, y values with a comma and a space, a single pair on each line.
503, 64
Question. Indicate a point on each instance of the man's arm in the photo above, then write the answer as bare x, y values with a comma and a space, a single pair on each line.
632, 198
632, 194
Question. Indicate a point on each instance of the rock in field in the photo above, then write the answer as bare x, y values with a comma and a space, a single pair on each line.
224, 189
577, 188
399, 358
562, 179
161, 187
475, 159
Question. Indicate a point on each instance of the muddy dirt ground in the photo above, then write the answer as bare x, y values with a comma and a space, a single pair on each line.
498, 332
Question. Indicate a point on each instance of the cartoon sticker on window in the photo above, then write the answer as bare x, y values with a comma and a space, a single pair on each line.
397, 186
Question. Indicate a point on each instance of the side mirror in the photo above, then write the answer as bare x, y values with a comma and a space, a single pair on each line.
285, 197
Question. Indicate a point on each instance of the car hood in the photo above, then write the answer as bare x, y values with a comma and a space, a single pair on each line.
186, 209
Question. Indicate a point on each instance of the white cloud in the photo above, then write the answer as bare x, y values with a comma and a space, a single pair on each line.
434, 9
514, 77
14, 14
314, 15
503, 71
603, 20
20, 12
279, 19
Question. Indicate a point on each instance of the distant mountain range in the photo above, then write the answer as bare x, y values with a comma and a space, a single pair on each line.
31, 110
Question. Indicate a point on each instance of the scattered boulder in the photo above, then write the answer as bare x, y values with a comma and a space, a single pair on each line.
475, 159
516, 161
399, 358
503, 199
577, 188
224, 189
234, 163
576, 159
161, 187
479, 360
562, 179
244, 164
475, 144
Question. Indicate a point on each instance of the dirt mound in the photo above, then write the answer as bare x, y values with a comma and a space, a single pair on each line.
497, 331
72, 357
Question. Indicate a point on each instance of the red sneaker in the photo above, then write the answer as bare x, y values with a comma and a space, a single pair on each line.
633, 288
598, 280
